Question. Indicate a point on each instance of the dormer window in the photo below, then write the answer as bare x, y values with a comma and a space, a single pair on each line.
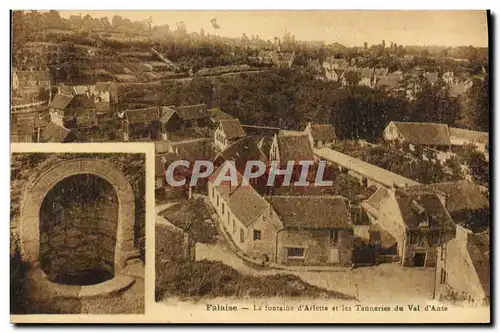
416, 207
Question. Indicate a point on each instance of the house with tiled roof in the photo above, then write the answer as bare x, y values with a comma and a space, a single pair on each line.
30, 82
316, 230
418, 224
464, 201
244, 216
141, 124
321, 135
240, 152
367, 77
284, 230
178, 118
389, 82
415, 134
73, 111
294, 148
463, 269
102, 93
227, 132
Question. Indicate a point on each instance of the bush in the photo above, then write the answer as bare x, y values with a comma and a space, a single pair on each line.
18, 279
209, 279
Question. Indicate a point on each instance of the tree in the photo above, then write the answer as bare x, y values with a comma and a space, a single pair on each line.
352, 78
105, 23
478, 104
434, 104
116, 21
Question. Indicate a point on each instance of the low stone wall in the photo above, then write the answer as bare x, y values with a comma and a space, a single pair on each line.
49, 297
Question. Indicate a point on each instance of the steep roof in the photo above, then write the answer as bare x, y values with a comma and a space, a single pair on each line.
197, 149
53, 133
382, 236
247, 204
217, 115
460, 195
314, 212
424, 133
414, 208
61, 101
145, 115
241, 151
166, 113
232, 128
389, 81
294, 148
192, 112
478, 247
374, 202
83, 101
324, 132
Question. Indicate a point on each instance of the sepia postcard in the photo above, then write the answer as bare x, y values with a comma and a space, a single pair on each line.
250, 166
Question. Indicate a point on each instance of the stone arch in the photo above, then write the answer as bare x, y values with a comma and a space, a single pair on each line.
33, 200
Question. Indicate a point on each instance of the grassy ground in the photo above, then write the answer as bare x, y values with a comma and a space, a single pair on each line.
209, 279
193, 217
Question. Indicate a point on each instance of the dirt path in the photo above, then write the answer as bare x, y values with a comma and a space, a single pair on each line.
384, 283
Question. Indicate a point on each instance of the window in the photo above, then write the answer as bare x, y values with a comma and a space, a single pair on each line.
217, 200
222, 208
257, 235
213, 192
334, 237
295, 252
234, 227
242, 236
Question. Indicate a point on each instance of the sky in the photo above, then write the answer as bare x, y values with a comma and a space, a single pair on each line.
350, 28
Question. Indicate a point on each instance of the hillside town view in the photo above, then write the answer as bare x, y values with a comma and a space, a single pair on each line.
401, 130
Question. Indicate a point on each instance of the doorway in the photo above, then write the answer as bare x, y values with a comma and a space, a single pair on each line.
419, 259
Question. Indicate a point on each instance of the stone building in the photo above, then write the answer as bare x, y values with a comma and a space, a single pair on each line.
321, 135
73, 111
424, 135
141, 124
227, 132
419, 223
463, 268
287, 230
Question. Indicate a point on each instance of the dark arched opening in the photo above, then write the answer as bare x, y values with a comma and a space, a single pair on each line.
78, 227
